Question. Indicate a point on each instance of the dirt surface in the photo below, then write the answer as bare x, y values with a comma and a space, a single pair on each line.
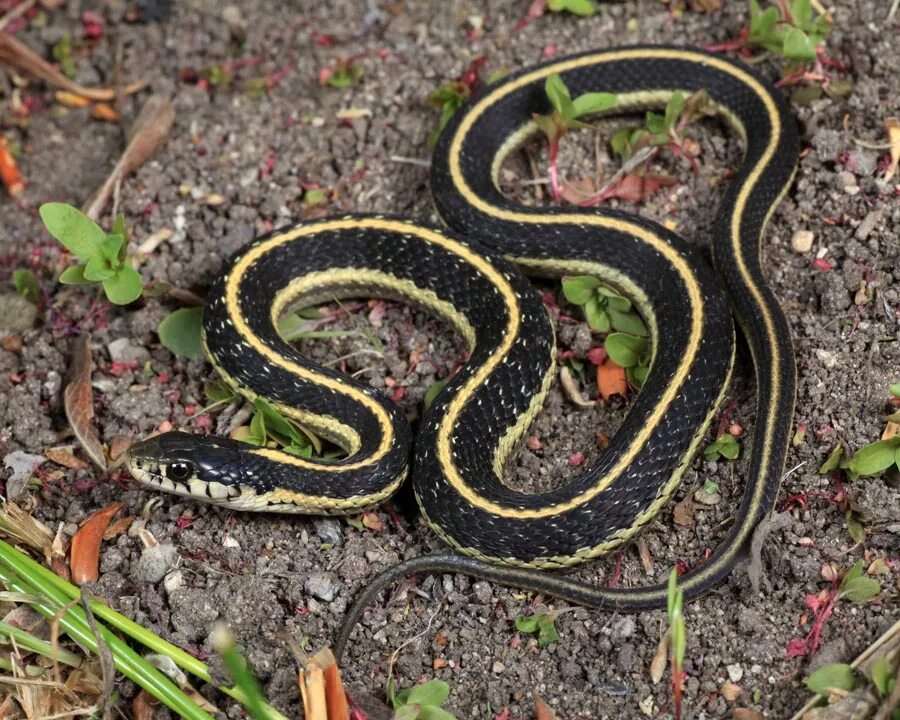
236, 164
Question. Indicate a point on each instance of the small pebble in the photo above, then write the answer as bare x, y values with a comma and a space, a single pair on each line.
155, 562
705, 498
322, 585
735, 672
846, 181
122, 351
498, 667
802, 241
173, 580
16, 314
826, 357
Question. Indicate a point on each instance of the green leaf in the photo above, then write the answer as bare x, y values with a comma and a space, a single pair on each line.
673, 109
257, 434
407, 712
98, 269
559, 97
723, 446
179, 332
277, 424
860, 589
798, 46
579, 289
854, 526
112, 247
595, 102
627, 322
674, 597
583, 8
547, 634
831, 677
801, 12
430, 712
834, 460
433, 692
625, 350
76, 231
710, 487
549, 125
875, 458
621, 143
882, 677
895, 390
26, 284
118, 228
218, 391
74, 276
433, 392
655, 123
527, 624
596, 316
123, 287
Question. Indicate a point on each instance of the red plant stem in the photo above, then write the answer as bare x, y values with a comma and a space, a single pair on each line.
676, 687
554, 170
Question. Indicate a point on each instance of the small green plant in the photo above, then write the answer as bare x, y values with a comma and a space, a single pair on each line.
179, 332
607, 310
543, 625
840, 679
62, 53
725, 446
677, 639
451, 96
870, 460
582, 8
269, 426
564, 116
342, 74
26, 284
104, 255
421, 702
791, 31
857, 587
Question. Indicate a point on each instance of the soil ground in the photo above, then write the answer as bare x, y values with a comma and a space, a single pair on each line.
236, 164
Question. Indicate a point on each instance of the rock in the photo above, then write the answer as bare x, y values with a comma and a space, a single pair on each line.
122, 351
498, 667
868, 224
173, 581
483, 592
328, 530
802, 241
16, 314
154, 563
735, 672
863, 162
322, 585
826, 357
846, 181
622, 628
828, 144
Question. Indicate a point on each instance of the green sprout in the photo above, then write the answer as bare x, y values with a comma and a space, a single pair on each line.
104, 255
607, 311
725, 446
791, 31
582, 8
422, 702
26, 284
543, 625
677, 638
564, 116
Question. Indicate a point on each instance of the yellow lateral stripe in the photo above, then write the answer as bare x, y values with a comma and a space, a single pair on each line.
458, 177
235, 278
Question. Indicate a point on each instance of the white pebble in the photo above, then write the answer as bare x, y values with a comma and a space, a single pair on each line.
802, 241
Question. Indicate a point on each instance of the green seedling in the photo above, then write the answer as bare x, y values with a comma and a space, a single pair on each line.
791, 31
433, 392
895, 390
104, 255
564, 116
857, 587
62, 53
422, 702
582, 8
543, 625
725, 446
839, 679
270, 426
677, 639
607, 311
180, 332
342, 74
26, 284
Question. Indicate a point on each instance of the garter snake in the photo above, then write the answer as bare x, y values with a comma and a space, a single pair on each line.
468, 273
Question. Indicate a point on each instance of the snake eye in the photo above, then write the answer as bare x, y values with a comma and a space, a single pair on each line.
179, 471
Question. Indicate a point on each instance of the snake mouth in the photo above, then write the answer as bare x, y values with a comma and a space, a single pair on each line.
153, 476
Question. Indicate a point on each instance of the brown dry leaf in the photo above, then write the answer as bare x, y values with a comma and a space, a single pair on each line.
892, 125
541, 711
84, 553
143, 706
747, 714
335, 696
107, 113
22, 527
312, 689
65, 457
118, 446
658, 663
730, 691
892, 429
118, 527
147, 133
611, 380
70, 99
644, 554
706, 5
372, 521
20, 56
79, 402
683, 513
570, 388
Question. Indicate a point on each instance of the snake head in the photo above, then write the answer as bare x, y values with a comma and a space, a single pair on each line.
202, 466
